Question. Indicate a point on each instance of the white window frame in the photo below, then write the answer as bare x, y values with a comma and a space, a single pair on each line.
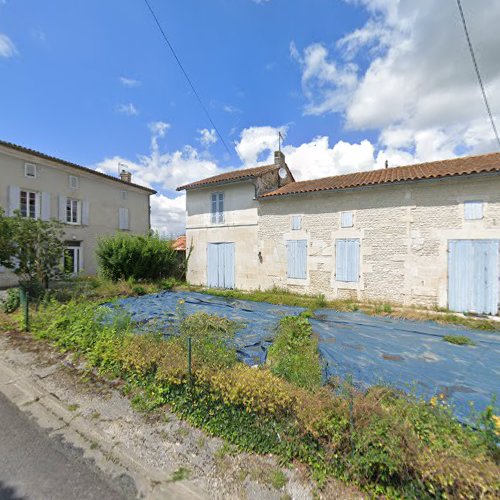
29, 203
27, 167
77, 257
344, 219
217, 215
73, 205
472, 206
74, 182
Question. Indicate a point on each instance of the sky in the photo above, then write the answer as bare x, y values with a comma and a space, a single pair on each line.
349, 84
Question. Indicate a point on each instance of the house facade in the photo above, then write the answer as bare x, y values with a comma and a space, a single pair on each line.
89, 204
425, 235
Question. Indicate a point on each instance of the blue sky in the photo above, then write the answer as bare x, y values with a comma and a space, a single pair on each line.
349, 83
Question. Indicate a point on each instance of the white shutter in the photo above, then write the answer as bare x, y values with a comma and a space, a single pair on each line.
296, 222
62, 208
85, 212
45, 210
14, 199
123, 221
214, 208
220, 210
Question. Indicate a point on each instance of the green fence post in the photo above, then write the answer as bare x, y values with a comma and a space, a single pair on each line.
25, 301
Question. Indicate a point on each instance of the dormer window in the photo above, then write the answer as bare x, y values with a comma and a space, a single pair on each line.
217, 209
30, 170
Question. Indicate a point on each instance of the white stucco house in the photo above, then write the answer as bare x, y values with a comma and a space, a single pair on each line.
89, 203
426, 234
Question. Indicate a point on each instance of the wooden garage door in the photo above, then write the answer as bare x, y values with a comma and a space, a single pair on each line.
473, 276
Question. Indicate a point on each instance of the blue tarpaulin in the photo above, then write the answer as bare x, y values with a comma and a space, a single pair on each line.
408, 355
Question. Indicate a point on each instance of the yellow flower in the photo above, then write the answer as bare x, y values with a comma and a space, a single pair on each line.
496, 419
433, 401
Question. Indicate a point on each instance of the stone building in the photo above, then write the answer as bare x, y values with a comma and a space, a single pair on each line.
426, 235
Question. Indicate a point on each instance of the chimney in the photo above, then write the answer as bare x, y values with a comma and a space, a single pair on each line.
125, 176
279, 158
386, 163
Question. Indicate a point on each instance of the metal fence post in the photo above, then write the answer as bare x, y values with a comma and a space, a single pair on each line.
189, 358
25, 301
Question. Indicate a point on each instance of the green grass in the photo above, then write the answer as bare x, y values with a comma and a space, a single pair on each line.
180, 474
458, 340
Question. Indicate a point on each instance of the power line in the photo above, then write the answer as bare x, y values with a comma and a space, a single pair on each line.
488, 109
186, 75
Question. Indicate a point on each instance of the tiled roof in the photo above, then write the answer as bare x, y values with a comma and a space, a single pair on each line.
234, 175
179, 244
432, 170
43, 156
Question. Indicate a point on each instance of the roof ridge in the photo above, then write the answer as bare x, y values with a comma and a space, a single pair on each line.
46, 156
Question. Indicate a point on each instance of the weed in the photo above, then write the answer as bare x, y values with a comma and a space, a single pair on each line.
180, 474
95, 415
94, 446
73, 407
459, 340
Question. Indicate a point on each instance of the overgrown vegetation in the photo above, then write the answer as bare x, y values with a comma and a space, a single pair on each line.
294, 353
285, 297
386, 442
127, 256
12, 301
458, 340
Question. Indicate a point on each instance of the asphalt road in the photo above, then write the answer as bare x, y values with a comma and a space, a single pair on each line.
34, 465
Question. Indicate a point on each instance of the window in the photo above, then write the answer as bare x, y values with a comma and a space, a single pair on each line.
124, 195
74, 182
473, 210
296, 222
347, 260
123, 219
217, 208
30, 170
72, 258
29, 204
297, 259
346, 219
72, 211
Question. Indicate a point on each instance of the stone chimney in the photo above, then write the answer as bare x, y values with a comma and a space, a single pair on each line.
126, 176
279, 158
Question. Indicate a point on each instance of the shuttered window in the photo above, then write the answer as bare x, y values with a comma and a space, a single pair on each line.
473, 210
296, 222
123, 219
346, 219
347, 260
297, 259
217, 208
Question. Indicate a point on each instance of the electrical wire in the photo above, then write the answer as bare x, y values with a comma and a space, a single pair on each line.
186, 75
488, 109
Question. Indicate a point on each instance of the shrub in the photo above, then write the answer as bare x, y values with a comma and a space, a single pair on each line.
12, 302
294, 353
458, 340
126, 256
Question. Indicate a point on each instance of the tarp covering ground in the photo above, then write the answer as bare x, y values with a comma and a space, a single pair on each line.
408, 355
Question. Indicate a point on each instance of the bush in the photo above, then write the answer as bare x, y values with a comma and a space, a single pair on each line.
126, 256
294, 353
458, 340
12, 302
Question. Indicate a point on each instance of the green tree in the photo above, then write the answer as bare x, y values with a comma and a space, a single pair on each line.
33, 249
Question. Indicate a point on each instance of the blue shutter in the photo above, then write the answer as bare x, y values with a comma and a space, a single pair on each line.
347, 260
14, 199
228, 251
220, 209
214, 208
45, 209
346, 219
297, 259
473, 210
212, 265
296, 222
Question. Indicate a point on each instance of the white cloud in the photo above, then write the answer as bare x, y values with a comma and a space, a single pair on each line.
168, 215
257, 140
7, 47
127, 109
129, 82
208, 137
309, 160
418, 86
230, 109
